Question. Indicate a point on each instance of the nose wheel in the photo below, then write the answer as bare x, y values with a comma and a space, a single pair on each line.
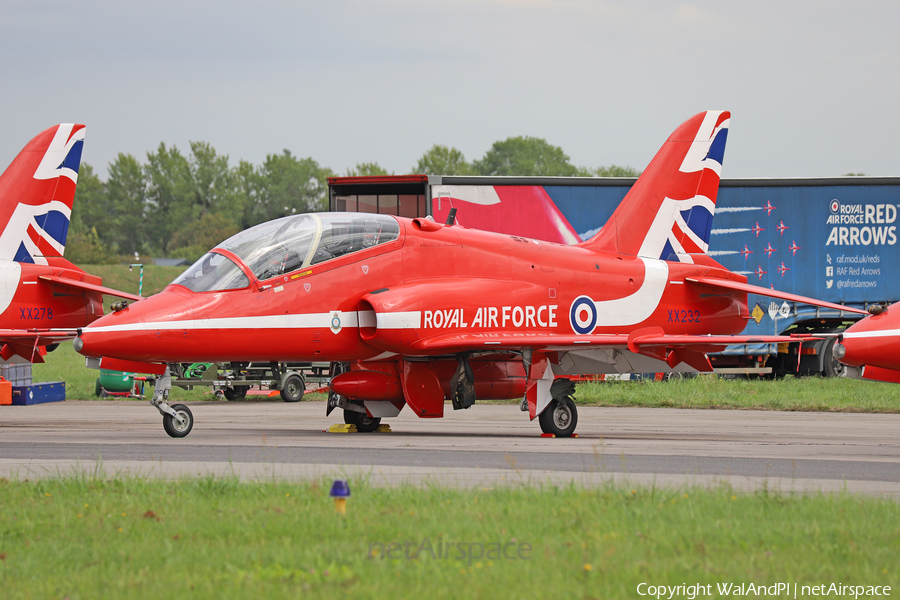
179, 424
177, 419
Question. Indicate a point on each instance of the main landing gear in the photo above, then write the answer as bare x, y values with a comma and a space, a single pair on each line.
560, 417
364, 423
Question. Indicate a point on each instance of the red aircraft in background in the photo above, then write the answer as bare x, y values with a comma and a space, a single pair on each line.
424, 311
869, 347
43, 297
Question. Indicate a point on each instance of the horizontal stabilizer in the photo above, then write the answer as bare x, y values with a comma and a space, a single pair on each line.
29, 343
83, 285
770, 293
41, 337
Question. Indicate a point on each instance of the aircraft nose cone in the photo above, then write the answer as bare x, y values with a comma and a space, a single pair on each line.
850, 352
87, 344
840, 351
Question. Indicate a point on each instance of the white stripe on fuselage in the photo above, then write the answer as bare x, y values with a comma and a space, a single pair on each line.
871, 334
399, 320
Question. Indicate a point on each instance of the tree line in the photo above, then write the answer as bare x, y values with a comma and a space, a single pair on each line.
179, 204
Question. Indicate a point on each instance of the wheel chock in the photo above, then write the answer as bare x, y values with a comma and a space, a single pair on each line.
548, 435
342, 428
383, 428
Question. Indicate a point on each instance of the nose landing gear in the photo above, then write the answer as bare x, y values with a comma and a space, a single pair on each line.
178, 419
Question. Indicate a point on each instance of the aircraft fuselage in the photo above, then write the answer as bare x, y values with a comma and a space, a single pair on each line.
431, 281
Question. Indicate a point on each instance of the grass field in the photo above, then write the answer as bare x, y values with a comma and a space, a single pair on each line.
806, 394
218, 538
709, 391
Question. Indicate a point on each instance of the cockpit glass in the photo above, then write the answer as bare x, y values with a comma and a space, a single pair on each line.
213, 272
290, 243
343, 233
276, 247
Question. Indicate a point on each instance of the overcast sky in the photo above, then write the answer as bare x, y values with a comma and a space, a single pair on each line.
812, 86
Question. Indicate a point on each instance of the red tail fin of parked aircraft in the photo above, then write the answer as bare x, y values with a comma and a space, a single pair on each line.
43, 297
36, 195
668, 212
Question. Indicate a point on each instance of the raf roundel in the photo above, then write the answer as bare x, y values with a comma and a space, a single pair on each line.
583, 315
835, 206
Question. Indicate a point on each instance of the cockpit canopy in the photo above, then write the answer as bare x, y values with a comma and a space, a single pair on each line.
287, 244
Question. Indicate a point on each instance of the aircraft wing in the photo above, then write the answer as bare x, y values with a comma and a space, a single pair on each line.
83, 285
770, 293
652, 337
651, 342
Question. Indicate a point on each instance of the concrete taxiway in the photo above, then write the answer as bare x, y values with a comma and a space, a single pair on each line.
485, 446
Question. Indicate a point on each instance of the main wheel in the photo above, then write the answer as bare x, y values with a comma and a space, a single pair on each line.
364, 423
559, 418
293, 388
176, 428
831, 367
238, 392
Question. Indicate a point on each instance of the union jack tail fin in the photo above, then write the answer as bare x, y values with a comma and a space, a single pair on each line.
668, 212
36, 195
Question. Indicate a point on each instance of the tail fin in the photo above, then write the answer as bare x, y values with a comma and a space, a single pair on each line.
36, 195
668, 212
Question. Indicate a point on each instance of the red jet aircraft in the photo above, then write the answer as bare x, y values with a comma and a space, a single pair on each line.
43, 297
869, 347
425, 311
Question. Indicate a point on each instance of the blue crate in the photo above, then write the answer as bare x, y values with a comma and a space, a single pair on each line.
53, 391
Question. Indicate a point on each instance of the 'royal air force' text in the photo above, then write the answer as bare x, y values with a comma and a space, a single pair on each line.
492, 316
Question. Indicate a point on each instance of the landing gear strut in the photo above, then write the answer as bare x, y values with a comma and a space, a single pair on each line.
178, 419
462, 384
